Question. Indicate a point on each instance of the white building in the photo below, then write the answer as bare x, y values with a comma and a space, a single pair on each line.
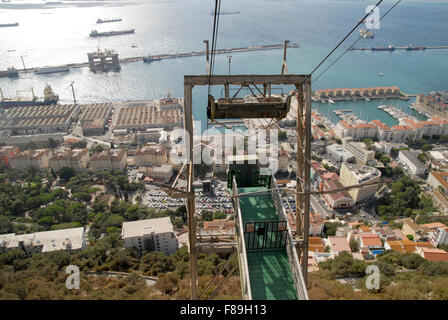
339, 154
150, 235
47, 241
410, 160
360, 175
359, 150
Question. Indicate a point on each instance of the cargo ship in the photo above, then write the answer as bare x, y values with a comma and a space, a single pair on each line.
49, 98
2, 25
149, 59
366, 34
410, 48
223, 13
95, 33
46, 70
10, 73
389, 48
107, 20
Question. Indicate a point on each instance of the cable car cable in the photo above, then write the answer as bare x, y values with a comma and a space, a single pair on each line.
351, 46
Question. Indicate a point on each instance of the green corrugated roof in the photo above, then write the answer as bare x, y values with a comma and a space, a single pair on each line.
269, 271
270, 275
257, 207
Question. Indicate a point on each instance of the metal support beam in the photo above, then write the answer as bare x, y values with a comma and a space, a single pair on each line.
203, 80
207, 70
307, 168
284, 58
191, 200
303, 85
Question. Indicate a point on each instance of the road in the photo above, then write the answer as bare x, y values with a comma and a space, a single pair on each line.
320, 207
149, 280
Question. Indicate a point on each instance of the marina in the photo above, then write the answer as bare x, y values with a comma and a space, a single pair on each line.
395, 112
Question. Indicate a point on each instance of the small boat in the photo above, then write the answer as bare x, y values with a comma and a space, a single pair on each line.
134, 46
380, 74
331, 101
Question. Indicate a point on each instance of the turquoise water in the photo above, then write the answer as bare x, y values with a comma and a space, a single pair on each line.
368, 110
182, 25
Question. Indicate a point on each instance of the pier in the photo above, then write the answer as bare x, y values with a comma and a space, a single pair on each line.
180, 55
392, 48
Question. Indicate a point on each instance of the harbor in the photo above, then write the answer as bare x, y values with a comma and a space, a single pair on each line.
178, 55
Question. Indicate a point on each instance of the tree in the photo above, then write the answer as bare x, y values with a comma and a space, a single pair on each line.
410, 237
167, 283
354, 244
282, 135
65, 173
422, 157
6, 225
394, 152
426, 147
385, 159
219, 215
207, 215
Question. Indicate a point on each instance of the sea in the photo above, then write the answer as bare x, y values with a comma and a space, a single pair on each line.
55, 33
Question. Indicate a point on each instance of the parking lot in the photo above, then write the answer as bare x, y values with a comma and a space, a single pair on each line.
220, 201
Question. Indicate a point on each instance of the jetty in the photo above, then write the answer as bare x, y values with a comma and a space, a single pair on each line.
367, 94
392, 48
181, 55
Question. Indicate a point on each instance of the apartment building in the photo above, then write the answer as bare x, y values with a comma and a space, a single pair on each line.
47, 241
6, 153
38, 159
335, 200
150, 156
114, 159
385, 133
352, 174
150, 235
360, 151
410, 160
77, 159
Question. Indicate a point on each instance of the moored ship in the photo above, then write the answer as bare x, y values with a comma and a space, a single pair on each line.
95, 33
46, 70
221, 13
389, 48
49, 98
107, 20
2, 25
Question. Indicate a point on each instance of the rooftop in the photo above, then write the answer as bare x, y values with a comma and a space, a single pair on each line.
140, 228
